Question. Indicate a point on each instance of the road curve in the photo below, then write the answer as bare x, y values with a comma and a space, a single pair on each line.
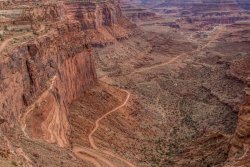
158, 65
79, 150
90, 136
213, 38
32, 106
79, 153
5, 42
97, 122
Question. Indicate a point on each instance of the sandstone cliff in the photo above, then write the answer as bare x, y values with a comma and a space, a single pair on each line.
44, 69
39, 79
104, 21
239, 153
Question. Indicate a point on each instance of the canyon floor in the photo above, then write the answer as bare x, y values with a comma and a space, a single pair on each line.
165, 96
184, 94
181, 102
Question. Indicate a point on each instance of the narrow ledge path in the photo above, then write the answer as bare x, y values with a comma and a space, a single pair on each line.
8, 40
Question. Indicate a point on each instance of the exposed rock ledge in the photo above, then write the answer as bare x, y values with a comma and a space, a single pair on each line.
240, 143
39, 79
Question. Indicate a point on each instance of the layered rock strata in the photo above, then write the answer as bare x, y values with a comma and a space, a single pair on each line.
239, 152
103, 21
40, 78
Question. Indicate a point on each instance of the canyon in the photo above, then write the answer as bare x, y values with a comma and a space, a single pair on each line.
129, 83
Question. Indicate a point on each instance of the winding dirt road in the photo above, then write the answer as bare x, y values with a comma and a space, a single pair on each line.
216, 34
95, 155
80, 150
32, 107
90, 136
219, 30
157, 65
6, 42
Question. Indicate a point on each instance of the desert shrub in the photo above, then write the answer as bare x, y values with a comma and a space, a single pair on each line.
1, 37
14, 163
35, 33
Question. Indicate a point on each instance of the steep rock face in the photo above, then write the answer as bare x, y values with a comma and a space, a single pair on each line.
103, 21
239, 152
40, 79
